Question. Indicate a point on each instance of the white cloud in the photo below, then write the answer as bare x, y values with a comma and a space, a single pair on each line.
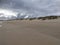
7, 12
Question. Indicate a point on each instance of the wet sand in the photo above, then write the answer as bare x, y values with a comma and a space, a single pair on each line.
25, 32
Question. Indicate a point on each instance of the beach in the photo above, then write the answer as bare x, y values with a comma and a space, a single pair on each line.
30, 32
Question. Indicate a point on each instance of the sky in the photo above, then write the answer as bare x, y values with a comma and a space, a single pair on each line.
32, 7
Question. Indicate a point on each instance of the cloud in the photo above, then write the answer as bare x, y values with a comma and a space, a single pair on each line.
35, 7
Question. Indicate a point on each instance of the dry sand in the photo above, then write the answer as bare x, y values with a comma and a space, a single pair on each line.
25, 32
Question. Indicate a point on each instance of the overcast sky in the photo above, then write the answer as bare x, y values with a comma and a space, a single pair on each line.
34, 7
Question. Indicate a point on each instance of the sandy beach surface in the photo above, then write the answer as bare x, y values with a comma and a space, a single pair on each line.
34, 32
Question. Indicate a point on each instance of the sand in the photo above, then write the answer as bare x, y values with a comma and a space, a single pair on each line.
25, 32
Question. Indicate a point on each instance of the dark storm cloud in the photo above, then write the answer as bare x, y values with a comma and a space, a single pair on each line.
38, 7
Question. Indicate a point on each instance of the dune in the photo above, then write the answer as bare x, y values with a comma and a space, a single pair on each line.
26, 32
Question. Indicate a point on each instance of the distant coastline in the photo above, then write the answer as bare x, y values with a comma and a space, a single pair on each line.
38, 18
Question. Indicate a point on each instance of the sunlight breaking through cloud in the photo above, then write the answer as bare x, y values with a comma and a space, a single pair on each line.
32, 8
